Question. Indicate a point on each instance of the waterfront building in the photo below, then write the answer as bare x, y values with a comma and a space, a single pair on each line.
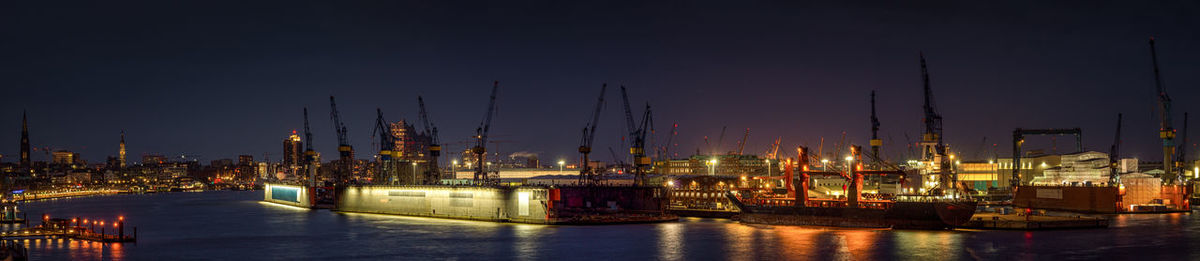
1084, 168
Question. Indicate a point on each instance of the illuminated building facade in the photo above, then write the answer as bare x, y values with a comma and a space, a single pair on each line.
293, 150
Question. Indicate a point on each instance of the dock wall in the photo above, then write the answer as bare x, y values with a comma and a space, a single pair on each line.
291, 195
500, 204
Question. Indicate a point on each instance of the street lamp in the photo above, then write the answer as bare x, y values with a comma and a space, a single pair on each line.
454, 168
824, 164
768, 167
560, 166
712, 167
414, 173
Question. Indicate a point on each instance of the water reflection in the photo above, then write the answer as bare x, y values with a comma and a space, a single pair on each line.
670, 241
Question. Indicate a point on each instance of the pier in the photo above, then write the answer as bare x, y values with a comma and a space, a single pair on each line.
75, 228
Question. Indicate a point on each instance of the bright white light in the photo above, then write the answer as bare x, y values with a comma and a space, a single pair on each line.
849, 158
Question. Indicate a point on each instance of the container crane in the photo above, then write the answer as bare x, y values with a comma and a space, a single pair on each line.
638, 135
345, 151
432, 172
481, 135
387, 148
586, 173
1166, 132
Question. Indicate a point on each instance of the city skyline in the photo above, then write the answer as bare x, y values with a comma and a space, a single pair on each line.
220, 87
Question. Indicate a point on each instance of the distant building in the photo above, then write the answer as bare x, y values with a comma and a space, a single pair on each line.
63, 157
245, 160
293, 150
153, 159
221, 163
1084, 168
724, 165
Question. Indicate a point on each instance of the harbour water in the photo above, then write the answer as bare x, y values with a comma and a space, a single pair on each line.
235, 225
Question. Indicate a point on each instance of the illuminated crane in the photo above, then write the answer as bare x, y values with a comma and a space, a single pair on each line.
933, 150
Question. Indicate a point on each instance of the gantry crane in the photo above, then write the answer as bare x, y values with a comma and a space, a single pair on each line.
586, 173
481, 135
345, 151
742, 143
432, 172
637, 134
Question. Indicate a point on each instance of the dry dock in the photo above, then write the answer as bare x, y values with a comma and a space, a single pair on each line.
1032, 222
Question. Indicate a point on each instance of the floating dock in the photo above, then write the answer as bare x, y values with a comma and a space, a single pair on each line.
1032, 222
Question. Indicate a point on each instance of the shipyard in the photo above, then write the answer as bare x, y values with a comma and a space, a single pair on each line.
599, 130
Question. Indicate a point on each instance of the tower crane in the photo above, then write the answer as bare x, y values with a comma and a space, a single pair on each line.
432, 172
345, 151
481, 135
586, 173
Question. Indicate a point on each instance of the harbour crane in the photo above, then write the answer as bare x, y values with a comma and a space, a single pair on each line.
720, 142
387, 148
1180, 159
1114, 156
875, 141
1166, 132
638, 133
586, 173
310, 156
932, 148
481, 135
345, 151
670, 142
742, 143
432, 172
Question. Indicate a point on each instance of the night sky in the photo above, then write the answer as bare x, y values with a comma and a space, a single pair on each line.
214, 79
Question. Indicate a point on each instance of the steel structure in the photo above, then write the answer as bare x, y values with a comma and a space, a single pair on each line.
345, 151
637, 134
1166, 132
1019, 139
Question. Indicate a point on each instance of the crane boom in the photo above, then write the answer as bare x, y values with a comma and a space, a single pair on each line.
875, 141
387, 147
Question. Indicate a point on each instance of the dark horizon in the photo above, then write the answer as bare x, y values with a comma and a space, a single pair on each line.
219, 79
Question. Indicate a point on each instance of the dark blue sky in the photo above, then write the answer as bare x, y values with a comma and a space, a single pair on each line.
221, 78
